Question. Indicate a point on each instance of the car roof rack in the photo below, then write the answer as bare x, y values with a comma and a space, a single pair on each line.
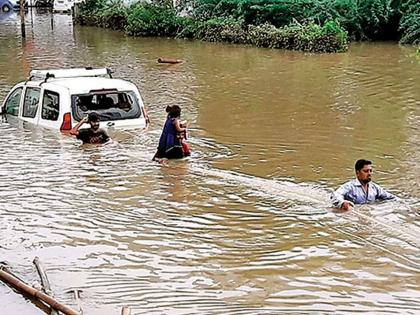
69, 73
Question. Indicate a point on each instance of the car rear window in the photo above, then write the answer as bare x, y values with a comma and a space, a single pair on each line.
108, 105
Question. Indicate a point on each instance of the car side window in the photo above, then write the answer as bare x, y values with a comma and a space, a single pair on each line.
30, 104
50, 105
12, 103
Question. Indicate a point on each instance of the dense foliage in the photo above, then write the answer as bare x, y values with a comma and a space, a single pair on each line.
152, 20
104, 13
410, 22
308, 25
308, 37
362, 19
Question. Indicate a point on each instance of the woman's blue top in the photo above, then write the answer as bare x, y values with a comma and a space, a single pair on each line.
169, 143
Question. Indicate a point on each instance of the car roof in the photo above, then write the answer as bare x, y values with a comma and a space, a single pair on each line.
83, 85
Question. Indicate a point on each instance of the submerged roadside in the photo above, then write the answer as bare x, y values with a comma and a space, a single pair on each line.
149, 19
305, 25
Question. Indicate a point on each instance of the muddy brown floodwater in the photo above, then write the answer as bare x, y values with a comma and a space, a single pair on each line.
244, 226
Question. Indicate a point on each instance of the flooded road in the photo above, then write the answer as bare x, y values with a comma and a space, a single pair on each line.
244, 226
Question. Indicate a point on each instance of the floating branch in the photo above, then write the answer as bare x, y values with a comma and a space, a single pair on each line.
22, 287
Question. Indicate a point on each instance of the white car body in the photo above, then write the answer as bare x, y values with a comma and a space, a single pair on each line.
63, 5
59, 99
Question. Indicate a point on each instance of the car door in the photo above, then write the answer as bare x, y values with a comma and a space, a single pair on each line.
29, 109
11, 105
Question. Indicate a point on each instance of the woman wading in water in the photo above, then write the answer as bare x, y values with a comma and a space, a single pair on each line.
171, 142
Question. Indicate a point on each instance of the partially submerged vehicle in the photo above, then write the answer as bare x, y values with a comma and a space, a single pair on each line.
63, 5
58, 99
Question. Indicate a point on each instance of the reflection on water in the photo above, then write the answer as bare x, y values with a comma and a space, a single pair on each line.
244, 225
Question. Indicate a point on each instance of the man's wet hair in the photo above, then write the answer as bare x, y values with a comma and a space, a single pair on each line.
361, 163
173, 111
93, 117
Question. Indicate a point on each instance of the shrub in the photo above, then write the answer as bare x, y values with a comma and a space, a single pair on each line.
222, 30
103, 13
363, 19
113, 16
309, 37
410, 22
91, 7
267, 35
204, 10
189, 28
374, 16
152, 20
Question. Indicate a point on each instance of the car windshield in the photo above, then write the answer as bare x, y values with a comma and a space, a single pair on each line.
112, 105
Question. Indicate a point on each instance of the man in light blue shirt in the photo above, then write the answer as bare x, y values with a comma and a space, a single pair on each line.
360, 190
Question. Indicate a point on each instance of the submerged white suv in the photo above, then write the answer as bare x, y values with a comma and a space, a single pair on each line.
58, 99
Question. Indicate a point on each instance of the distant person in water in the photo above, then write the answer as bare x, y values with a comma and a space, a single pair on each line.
360, 190
172, 143
94, 134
